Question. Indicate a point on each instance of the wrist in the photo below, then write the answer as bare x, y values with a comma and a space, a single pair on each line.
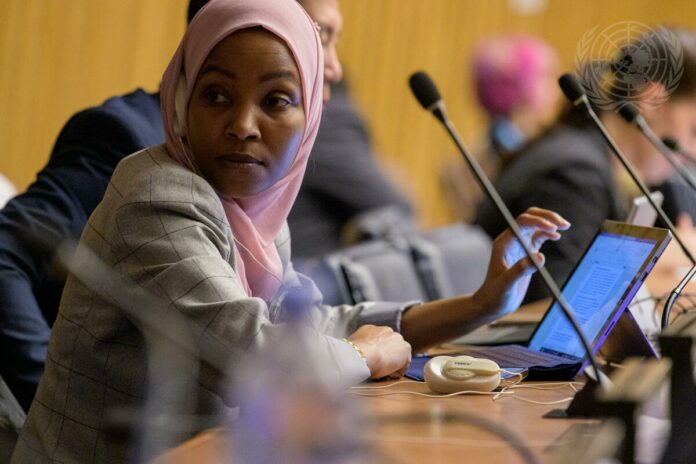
483, 310
358, 350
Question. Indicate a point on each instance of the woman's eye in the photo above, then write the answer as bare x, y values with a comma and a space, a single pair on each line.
278, 101
215, 97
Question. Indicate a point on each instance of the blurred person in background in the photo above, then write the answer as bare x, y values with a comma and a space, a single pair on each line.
343, 181
570, 169
514, 82
345, 190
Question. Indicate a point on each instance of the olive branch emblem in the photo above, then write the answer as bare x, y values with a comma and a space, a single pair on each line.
614, 64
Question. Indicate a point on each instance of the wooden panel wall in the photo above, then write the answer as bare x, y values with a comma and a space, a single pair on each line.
58, 56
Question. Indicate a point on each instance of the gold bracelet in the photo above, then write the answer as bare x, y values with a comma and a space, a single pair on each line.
357, 349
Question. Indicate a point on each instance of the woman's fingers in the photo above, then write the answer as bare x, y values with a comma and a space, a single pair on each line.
542, 224
550, 216
539, 237
522, 268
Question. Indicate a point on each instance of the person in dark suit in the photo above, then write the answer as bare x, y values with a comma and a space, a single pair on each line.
570, 169
55, 208
342, 182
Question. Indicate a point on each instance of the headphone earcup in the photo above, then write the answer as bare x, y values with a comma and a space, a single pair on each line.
439, 382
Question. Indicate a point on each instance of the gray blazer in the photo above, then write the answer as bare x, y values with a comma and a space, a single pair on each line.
163, 227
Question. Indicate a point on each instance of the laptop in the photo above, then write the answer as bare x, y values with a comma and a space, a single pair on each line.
599, 289
500, 333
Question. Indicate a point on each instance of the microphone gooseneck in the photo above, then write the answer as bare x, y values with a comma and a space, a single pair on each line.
631, 115
428, 96
576, 95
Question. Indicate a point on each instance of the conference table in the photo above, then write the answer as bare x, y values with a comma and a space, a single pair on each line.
413, 429
405, 428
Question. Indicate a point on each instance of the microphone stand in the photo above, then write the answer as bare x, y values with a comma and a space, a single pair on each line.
575, 93
437, 108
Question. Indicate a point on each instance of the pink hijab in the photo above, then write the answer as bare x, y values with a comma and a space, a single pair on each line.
257, 220
511, 70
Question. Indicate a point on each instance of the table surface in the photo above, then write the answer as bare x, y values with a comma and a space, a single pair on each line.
412, 429
448, 435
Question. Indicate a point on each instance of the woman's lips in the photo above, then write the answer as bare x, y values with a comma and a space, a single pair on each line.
239, 158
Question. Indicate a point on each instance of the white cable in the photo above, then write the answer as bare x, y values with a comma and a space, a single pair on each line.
526, 400
538, 387
430, 395
516, 374
553, 386
366, 387
504, 392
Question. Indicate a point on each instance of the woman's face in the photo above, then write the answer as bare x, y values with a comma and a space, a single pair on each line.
245, 117
675, 119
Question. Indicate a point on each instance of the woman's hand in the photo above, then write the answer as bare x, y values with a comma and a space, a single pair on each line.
388, 355
510, 270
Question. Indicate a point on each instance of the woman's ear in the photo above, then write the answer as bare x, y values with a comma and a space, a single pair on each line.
180, 108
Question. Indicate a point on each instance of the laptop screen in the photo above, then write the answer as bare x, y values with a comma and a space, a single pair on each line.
595, 289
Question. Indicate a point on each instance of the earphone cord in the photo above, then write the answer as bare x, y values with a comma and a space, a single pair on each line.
504, 392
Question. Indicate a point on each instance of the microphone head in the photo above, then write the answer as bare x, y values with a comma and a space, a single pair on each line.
424, 89
629, 112
671, 144
571, 88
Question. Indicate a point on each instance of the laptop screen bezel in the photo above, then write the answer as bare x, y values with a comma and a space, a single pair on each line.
661, 237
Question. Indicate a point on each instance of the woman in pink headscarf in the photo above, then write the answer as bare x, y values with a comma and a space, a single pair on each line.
200, 223
514, 79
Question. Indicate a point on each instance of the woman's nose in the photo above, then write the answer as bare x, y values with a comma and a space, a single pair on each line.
243, 123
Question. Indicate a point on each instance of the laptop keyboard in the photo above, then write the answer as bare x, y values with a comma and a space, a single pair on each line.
516, 356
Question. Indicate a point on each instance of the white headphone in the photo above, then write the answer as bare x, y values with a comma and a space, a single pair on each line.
447, 374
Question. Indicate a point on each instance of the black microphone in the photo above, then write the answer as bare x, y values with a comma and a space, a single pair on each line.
679, 150
428, 96
576, 95
631, 115
671, 144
